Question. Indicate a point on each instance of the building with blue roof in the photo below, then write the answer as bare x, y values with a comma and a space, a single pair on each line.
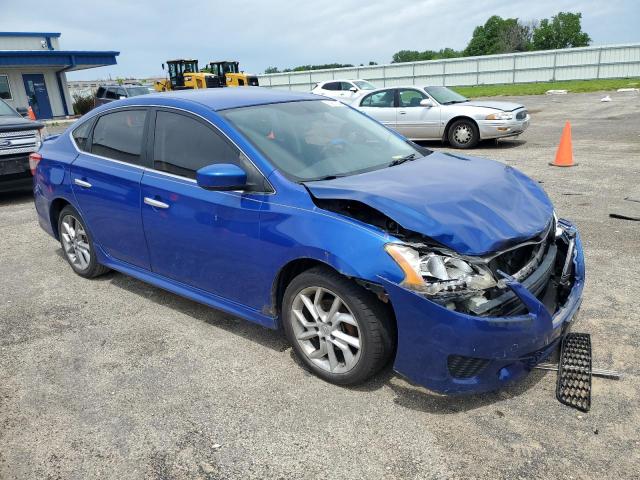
33, 71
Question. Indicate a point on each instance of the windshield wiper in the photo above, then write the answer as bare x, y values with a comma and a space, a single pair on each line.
326, 177
406, 158
450, 102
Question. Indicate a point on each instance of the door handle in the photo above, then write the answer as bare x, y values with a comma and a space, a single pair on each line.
82, 183
155, 203
402, 113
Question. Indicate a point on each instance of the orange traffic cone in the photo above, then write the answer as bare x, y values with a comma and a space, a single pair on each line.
30, 113
564, 155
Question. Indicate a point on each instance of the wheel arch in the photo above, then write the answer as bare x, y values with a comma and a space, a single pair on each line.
297, 266
54, 213
287, 273
445, 133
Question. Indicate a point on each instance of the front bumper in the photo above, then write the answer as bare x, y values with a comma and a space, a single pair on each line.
491, 352
502, 128
15, 173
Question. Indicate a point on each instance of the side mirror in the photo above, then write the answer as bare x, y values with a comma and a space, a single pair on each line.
221, 177
426, 103
353, 89
22, 111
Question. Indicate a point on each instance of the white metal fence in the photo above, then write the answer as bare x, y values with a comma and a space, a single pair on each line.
609, 61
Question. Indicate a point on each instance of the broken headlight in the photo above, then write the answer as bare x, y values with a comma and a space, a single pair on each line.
436, 274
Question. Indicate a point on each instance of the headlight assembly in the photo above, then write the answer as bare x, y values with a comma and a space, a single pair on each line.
500, 116
439, 275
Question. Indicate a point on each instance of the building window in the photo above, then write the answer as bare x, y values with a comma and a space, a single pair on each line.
5, 91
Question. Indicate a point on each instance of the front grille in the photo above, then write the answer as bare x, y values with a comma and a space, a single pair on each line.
23, 141
465, 367
521, 115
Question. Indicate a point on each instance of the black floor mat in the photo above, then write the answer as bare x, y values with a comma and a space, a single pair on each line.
574, 371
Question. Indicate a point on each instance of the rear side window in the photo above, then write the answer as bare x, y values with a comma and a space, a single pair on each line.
332, 86
119, 135
183, 145
81, 135
100, 92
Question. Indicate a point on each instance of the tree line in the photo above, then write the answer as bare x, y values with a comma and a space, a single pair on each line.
497, 35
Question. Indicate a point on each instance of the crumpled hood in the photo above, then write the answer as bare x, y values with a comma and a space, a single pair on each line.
504, 106
471, 205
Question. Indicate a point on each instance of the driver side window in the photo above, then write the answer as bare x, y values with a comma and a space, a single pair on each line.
383, 99
410, 98
182, 145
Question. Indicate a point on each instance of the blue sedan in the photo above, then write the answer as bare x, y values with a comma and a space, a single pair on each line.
298, 212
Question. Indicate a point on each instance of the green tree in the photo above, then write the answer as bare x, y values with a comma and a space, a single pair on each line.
415, 56
497, 35
406, 56
563, 31
271, 70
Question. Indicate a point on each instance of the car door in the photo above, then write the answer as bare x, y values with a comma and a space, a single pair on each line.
105, 179
381, 105
345, 91
205, 239
415, 121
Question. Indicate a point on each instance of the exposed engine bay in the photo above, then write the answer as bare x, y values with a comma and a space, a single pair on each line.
476, 285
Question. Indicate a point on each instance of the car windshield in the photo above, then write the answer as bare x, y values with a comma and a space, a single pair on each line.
319, 140
364, 85
135, 91
445, 96
6, 110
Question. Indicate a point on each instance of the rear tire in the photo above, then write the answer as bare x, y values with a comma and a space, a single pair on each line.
77, 244
463, 134
323, 311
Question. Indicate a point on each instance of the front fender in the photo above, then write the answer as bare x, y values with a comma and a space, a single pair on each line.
351, 248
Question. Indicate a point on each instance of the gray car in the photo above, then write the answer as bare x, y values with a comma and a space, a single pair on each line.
439, 113
110, 93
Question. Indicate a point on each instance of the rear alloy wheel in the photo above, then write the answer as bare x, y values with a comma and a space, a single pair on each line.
338, 329
77, 244
463, 134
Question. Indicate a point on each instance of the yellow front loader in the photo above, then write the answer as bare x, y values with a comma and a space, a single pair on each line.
230, 72
185, 75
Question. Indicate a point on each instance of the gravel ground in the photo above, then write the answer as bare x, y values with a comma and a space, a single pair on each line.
112, 378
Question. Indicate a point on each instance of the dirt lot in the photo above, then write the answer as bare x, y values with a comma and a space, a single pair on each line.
113, 378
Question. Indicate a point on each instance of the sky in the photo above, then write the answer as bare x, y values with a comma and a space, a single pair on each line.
287, 33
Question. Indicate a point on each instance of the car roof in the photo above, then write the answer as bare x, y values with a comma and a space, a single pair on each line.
338, 80
227, 97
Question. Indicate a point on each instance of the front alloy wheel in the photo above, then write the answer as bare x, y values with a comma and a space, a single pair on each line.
326, 330
342, 332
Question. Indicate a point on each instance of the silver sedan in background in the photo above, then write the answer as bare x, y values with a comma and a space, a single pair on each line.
439, 113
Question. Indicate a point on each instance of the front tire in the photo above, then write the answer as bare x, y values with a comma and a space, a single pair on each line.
464, 134
339, 330
77, 244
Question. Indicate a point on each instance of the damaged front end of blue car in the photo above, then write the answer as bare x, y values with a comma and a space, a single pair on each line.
491, 279
460, 331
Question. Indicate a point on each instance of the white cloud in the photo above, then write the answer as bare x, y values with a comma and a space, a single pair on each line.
284, 33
